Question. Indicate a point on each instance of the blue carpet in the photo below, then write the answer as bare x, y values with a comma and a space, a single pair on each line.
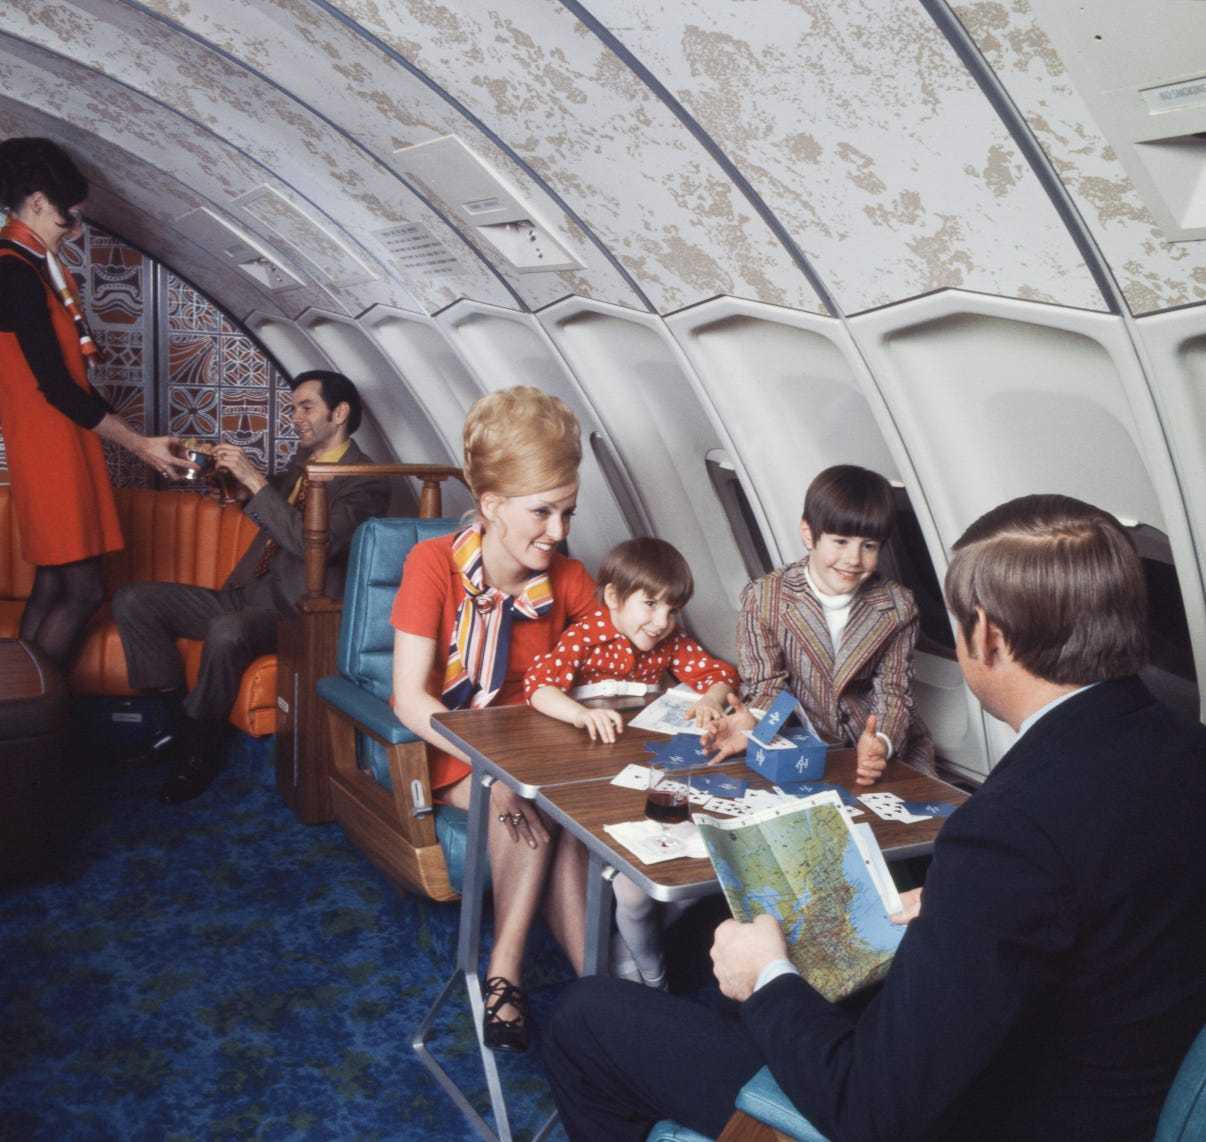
217, 970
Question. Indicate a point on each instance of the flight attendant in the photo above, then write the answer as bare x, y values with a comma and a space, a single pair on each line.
51, 415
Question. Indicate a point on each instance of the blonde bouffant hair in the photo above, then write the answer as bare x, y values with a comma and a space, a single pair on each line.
520, 441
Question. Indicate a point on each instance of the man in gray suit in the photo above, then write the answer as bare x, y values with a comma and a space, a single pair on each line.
239, 622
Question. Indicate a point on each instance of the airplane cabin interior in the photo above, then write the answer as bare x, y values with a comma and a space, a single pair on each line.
956, 242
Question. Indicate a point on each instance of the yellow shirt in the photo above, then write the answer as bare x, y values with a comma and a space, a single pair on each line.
330, 456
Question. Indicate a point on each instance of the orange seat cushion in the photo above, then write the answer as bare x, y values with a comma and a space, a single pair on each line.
177, 537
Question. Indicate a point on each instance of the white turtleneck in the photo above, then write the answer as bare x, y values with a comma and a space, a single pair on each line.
835, 607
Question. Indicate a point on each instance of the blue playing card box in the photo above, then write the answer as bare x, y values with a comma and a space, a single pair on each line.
803, 760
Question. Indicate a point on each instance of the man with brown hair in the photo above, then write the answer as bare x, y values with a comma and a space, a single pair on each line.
239, 622
1052, 979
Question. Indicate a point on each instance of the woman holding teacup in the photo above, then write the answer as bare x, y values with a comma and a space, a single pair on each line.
51, 415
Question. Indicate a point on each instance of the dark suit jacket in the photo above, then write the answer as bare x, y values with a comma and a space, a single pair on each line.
1057, 973
351, 500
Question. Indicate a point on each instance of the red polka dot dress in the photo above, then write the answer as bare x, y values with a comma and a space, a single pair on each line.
593, 651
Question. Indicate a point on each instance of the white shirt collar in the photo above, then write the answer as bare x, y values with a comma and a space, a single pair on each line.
1028, 722
829, 602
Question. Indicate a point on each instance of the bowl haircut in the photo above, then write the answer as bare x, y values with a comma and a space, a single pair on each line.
1063, 582
851, 501
650, 565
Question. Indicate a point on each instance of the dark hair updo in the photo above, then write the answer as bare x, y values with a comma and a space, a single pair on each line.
30, 165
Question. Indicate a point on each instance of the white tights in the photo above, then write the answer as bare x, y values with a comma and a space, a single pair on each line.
637, 920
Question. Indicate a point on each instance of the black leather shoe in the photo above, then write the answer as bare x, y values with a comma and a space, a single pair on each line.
504, 1034
192, 777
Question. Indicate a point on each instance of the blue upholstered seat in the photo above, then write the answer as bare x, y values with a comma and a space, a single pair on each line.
667, 1131
1183, 1118
760, 1098
361, 688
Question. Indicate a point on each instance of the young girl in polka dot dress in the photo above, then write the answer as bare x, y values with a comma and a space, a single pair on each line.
643, 583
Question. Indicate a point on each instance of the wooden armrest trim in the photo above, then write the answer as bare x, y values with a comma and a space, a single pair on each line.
316, 520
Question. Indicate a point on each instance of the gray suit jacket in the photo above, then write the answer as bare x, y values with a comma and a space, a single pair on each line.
351, 500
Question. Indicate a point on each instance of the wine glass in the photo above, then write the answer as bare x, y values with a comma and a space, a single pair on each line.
668, 803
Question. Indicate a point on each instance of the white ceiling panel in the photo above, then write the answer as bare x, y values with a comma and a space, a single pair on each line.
357, 86
608, 145
1153, 274
857, 124
218, 100
142, 212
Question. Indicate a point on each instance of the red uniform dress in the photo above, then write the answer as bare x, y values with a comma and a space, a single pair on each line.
426, 605
594, 650
60, 485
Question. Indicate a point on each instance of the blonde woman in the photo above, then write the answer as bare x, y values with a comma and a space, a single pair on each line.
500, 588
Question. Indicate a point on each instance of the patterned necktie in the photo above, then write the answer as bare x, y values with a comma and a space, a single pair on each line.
271, 547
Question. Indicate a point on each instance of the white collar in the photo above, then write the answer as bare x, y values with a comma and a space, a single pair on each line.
829, 602
1028, 722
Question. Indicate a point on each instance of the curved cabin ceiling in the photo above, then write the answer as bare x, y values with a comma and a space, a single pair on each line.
832, 158
960, 241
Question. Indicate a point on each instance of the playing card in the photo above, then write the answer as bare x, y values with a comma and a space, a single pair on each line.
682, 751
808, 788
930, 808
632, 777
889, 807
719, 784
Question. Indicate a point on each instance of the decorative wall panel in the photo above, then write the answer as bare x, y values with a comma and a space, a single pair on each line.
219, 384
115, 283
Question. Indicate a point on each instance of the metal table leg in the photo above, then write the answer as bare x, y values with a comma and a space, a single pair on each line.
468, 950
598, 916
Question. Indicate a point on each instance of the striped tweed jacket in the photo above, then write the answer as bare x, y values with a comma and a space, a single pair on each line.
783, 641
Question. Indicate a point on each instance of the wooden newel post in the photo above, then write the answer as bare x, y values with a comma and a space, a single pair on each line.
315, 526
431, 500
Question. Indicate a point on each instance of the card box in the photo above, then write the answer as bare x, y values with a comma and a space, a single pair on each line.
780, 754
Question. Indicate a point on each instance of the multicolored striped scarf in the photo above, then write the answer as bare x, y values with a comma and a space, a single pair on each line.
481, 632
16, 231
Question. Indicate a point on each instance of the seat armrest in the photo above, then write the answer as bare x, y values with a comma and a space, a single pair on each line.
763, 1099
369, 712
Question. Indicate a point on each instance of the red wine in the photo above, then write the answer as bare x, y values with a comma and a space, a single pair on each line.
666, 806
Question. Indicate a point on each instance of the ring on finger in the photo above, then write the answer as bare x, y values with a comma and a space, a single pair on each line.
503, 818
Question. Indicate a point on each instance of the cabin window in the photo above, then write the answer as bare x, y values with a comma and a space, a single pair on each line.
173, 361
737, 510
906, 558
617, 480
1171, 675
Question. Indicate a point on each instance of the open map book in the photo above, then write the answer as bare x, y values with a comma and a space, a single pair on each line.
823, 879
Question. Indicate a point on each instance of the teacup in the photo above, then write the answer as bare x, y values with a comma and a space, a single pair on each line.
203, 460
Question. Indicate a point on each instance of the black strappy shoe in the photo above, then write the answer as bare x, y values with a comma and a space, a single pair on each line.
504, 1034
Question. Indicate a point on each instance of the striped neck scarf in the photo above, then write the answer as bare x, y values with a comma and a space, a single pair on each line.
481, 632
16, 231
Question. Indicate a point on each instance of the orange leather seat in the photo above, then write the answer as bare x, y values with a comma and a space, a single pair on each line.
180, 537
